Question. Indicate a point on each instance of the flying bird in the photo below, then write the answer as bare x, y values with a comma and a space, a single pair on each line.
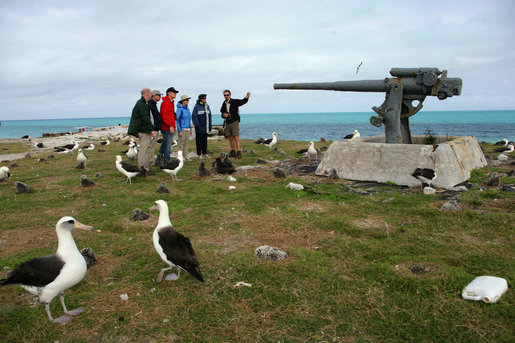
126, 169
353, 135
51, 275
174, 166
357, 69
174, 248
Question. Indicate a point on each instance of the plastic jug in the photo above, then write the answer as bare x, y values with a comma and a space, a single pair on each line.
486, 288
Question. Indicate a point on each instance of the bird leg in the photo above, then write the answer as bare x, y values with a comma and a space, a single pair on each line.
71, 312
174, 276
161, 273
61, 320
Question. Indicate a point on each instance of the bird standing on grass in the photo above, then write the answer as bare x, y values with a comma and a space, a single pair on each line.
4, 173
174, 166
312, 152
273, 141
174, 248
51, 275
425, 175
81, 157
126, 169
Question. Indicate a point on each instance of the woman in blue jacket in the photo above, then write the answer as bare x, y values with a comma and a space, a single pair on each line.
201, 117
184, 125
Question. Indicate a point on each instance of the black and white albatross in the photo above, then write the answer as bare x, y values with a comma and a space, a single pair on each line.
425, 175
51, 275
174, 248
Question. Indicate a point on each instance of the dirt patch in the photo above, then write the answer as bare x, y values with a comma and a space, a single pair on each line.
419, 269
373, 226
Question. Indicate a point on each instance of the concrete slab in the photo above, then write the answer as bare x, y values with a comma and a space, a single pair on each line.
453, 160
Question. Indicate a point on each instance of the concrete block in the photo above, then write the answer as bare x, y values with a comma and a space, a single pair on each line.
371, 160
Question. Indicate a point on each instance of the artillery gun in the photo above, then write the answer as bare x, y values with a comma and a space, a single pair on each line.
407, 86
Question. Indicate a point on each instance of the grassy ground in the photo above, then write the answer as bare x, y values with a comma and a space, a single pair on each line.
388, 266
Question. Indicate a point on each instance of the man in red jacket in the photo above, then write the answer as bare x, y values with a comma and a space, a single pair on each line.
167, 123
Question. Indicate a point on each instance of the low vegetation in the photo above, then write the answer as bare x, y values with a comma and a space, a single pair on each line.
367, 263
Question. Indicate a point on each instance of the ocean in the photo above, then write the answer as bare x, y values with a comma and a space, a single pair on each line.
489, 126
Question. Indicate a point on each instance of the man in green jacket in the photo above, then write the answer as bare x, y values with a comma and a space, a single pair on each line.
142, 127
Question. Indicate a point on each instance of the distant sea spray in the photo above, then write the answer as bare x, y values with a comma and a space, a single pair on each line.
490, 126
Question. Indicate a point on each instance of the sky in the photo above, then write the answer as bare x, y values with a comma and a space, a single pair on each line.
81, 59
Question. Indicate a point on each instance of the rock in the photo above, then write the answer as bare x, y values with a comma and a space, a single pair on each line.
266, 252
89, 256
98, 175
295, 186
459, 189
5, 149
138, 214
101, 150
494, 180
429, 190
80, 166
245, 168
12, 165
279, 173
261, 161
232, 187
502, 157
50, 156
85, 182
21, 187
28, 155
324, 148
451, 205
389, 200
252, 152
163, 189
508, 188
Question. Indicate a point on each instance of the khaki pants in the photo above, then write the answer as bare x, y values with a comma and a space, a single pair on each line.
146, 150
183, 143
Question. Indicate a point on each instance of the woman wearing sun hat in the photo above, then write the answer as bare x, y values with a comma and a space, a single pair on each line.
184, 125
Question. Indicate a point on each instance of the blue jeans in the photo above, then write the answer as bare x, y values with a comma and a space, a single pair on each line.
165, 149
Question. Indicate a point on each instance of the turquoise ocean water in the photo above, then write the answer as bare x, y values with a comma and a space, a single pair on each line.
490, 126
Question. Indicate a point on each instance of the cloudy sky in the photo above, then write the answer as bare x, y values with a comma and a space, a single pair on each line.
69, 59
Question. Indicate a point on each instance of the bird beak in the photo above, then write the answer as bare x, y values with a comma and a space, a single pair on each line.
153, 207
82, 226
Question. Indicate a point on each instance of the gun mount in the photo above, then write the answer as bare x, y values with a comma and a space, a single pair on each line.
407, 86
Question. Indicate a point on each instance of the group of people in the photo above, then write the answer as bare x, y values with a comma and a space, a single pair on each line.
147, 121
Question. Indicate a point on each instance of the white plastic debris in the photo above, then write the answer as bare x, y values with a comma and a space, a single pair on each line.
242, 284
124, 297
486, 288
232, 187
231, 178
295, 186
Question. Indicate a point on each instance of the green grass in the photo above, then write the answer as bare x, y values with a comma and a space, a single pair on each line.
347, 278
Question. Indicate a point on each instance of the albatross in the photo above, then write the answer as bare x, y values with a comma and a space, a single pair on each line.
174, 248
273, 141
174, 166
81, 157
312, 152
51, 275
425, 175
126, 169
353, 135
4, 173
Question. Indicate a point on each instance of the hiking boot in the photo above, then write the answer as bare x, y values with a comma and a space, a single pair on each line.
142, 172
238, 154
232, 153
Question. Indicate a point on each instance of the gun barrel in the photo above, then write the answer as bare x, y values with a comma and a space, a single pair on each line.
342, 86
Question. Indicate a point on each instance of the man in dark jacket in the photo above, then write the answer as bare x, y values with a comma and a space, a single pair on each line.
230, 113
141, 127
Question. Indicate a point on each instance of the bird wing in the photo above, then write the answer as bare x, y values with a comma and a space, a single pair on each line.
349, 136
39, 271
174, 163
129, 167
267, 141
179, 251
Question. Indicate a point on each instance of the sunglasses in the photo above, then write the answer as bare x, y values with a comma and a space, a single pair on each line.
227, 94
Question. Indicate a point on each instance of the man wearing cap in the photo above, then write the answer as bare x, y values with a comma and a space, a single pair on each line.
156, 120
167, 123
231, 115
141, 126
184, 125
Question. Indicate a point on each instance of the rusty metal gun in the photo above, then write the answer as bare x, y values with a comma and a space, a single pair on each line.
407, 86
